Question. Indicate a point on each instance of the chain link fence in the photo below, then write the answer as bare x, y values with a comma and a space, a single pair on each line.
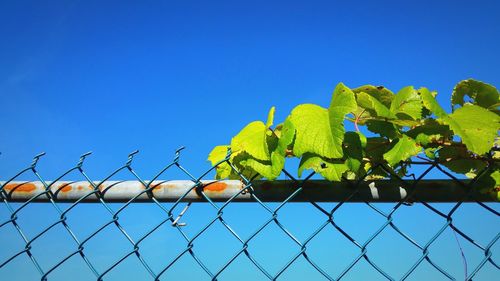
291, 229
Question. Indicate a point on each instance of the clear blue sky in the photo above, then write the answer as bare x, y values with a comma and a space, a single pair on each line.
115, 76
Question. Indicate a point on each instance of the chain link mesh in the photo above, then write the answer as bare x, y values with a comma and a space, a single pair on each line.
190, 240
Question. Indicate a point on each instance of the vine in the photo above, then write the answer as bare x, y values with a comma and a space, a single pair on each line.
408, 124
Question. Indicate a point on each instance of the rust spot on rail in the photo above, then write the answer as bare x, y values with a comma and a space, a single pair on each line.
82, 187
215, 186
66, 187
102, 187
157, 187
23, 187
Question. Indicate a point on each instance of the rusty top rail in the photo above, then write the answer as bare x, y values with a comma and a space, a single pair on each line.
269, 191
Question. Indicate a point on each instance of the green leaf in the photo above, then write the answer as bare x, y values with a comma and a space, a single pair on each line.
241, 162
459, 160
270, 117
219, 153
426, 113
373, 102
376, 108
489, 183
405, 148
353, 146
343, 102
329, 169
380, 93
430, 127
353, 150
430, 152
271, 169
496, 176
263, 168
286, 137
495, 191
405, 122
476, 126
482, 94
321, 131
375, 149
407, 102
424, 139
383, 128
362, 139
430, 132
373, 172
252, 140
312, 131
430, 102
278, 155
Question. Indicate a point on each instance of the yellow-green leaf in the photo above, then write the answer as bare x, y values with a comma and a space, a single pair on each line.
480, 93
321, 131
380, 93
430, 102
270, 117
331, 171
476, 126
219, 153
376, 108
312, 131
252, 140
404, 149
343, 102
407, 102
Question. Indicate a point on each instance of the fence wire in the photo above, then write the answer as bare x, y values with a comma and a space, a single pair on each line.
175, 214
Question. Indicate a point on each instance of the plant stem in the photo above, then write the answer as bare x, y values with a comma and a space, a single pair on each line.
357, 120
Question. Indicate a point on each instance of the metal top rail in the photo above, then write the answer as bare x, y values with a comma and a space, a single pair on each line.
267, 191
